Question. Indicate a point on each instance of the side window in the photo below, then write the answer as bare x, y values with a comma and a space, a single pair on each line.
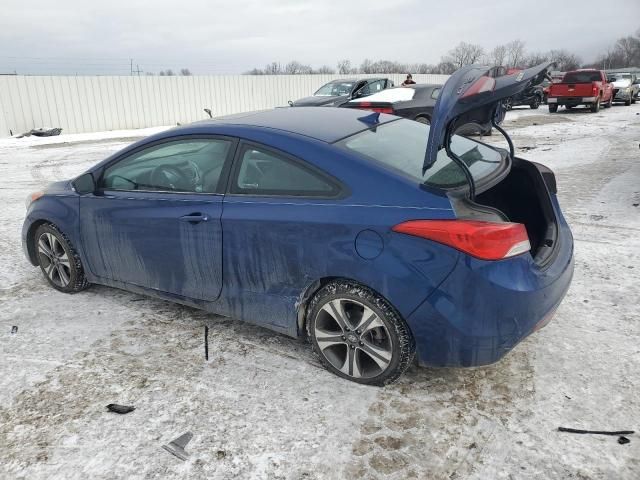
262, 172
435, 93
192, 166
377, 86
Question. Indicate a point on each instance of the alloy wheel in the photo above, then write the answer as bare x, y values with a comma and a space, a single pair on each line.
54, 259
353, 338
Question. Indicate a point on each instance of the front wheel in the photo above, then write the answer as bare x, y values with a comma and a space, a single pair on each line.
422, 119
59, 262
358, 335
627, 102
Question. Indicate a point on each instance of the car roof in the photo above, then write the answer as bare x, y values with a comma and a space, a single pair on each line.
327, 124
341, 80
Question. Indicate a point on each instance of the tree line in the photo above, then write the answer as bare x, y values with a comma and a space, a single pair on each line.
625, 52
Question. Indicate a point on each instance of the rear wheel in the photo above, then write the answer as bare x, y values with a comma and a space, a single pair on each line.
627, 102
358, 335
568, 107
553, 108
424, 120
59, 262
595, 107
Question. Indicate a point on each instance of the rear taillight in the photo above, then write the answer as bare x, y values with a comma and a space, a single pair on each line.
483, 84
484, 240
367, 106
594, 90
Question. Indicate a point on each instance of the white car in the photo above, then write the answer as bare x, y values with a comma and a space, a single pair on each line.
625, 87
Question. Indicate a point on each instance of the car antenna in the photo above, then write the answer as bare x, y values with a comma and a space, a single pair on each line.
463, 166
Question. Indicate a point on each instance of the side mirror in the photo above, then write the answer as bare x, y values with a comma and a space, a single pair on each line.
208, 112
84, 184
290, 103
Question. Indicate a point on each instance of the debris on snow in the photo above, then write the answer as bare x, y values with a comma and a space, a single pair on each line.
14, 329
121, 409
177, 446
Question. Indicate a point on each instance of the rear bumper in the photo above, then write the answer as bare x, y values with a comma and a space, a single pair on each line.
484, 309
572, 100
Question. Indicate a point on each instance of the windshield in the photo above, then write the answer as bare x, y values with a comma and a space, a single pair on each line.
401, 145
334, 89
582, 77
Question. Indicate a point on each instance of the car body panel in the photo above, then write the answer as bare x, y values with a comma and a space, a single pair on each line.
454, 107
261, 257
503, 302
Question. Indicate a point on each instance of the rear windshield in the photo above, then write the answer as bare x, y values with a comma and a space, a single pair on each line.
401, 145
582, 77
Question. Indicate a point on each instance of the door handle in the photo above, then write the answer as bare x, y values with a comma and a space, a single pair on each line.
194, 218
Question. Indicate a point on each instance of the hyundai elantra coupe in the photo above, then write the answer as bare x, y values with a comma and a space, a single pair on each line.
374, 237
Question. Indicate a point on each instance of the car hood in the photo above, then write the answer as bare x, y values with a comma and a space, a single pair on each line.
318, 101
473, 95
622, 83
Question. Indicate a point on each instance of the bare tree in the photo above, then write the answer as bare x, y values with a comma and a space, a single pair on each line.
274, 68
366, 66
185, 72
166, 73
325, 69
515, 53
564, 60
344, 67
296, 68
465, 54
498, 55
445, 68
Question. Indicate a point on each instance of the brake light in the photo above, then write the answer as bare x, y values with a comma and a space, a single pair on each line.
594, 90
483, 84
367, 106
483, 240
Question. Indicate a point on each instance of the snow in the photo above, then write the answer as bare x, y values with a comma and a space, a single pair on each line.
262, 407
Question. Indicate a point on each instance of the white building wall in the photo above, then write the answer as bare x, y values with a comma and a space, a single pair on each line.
99, 103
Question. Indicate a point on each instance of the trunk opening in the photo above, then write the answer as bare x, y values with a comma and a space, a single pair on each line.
523, 197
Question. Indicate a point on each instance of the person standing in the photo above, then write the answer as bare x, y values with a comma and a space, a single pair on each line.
408, 81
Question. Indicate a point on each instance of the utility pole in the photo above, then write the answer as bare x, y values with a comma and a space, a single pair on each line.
131, 60
137, 70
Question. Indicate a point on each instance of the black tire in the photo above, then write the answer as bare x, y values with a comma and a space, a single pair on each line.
423, 119
536, 103
508, 104
553, 107
627, 102
609, 103
568, 107
65, 272
595, 107
388, 334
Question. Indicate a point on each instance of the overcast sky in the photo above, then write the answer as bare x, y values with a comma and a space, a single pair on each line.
211, 36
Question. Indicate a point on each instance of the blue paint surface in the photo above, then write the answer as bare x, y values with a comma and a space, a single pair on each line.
257, 256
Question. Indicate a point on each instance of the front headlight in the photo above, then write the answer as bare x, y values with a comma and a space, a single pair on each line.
32, 197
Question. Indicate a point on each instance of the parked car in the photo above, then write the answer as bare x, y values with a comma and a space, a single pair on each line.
625, 87
415, 102
532, 97
356, 230
581, 87
337, 92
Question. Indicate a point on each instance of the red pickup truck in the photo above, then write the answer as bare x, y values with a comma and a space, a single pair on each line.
581, 87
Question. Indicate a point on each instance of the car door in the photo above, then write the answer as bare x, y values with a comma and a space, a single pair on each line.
155, 218
276, 222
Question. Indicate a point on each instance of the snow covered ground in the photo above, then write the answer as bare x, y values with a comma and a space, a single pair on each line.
263, 408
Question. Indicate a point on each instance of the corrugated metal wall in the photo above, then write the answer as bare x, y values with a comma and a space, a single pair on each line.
98, 103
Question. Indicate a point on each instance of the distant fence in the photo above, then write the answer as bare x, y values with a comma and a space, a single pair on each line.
98, 103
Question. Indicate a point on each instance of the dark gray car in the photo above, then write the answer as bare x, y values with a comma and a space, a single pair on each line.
337, 92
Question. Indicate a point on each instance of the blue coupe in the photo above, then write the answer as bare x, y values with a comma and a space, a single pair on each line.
374, 237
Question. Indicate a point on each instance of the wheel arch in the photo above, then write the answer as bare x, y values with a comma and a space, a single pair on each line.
31, 239
314, 287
